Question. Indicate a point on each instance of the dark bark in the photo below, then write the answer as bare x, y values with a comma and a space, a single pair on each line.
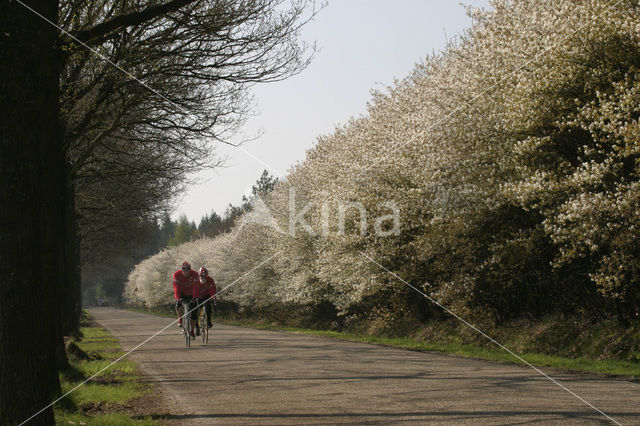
71, 306
62, 360
29, 165
65, 249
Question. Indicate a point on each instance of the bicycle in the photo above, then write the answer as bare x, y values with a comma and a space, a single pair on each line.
203, 304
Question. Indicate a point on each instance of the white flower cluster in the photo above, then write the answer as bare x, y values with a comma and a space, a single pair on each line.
535, 107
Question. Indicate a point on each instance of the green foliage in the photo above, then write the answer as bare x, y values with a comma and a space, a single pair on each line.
185, 231
265, 184
210, 225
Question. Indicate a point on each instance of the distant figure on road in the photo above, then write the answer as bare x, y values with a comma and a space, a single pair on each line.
184, 280
204, 291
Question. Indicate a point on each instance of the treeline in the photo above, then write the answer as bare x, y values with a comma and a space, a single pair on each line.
513, 158
212, 224
104, 276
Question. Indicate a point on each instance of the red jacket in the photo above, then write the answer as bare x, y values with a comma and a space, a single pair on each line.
183, 285
206, 289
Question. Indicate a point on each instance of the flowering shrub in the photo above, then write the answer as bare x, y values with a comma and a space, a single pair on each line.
512, 156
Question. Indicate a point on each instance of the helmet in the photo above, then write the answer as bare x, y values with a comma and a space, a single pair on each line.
185, 265
203, 272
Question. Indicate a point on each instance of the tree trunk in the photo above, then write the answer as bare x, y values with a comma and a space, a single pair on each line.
29, 167
72, 258
70, 303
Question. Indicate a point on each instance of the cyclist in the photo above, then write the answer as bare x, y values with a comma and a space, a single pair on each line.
204, 291
183, 284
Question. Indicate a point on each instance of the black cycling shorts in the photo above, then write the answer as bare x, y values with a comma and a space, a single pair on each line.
191, 306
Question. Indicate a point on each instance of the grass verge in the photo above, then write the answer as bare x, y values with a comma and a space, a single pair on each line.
105, 399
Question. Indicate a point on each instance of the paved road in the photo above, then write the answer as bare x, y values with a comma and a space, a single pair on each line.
247, 376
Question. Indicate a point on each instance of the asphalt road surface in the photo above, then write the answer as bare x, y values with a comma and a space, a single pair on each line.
248, 376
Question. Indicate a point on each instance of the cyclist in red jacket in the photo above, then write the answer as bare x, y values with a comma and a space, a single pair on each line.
204, 291
183, 285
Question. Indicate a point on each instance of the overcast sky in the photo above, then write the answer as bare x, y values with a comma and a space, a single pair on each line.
364, 45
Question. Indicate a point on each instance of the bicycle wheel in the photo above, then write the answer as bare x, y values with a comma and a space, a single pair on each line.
181, 324
186, 321
203, 327
200, 325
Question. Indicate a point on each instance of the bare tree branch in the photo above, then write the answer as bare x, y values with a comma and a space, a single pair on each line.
97, 33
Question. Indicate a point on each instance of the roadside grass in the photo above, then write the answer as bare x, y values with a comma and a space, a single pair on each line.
100, 401
95, 339
66, 418
579, 364
128, 368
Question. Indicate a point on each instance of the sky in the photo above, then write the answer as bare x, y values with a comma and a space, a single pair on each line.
364, 45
